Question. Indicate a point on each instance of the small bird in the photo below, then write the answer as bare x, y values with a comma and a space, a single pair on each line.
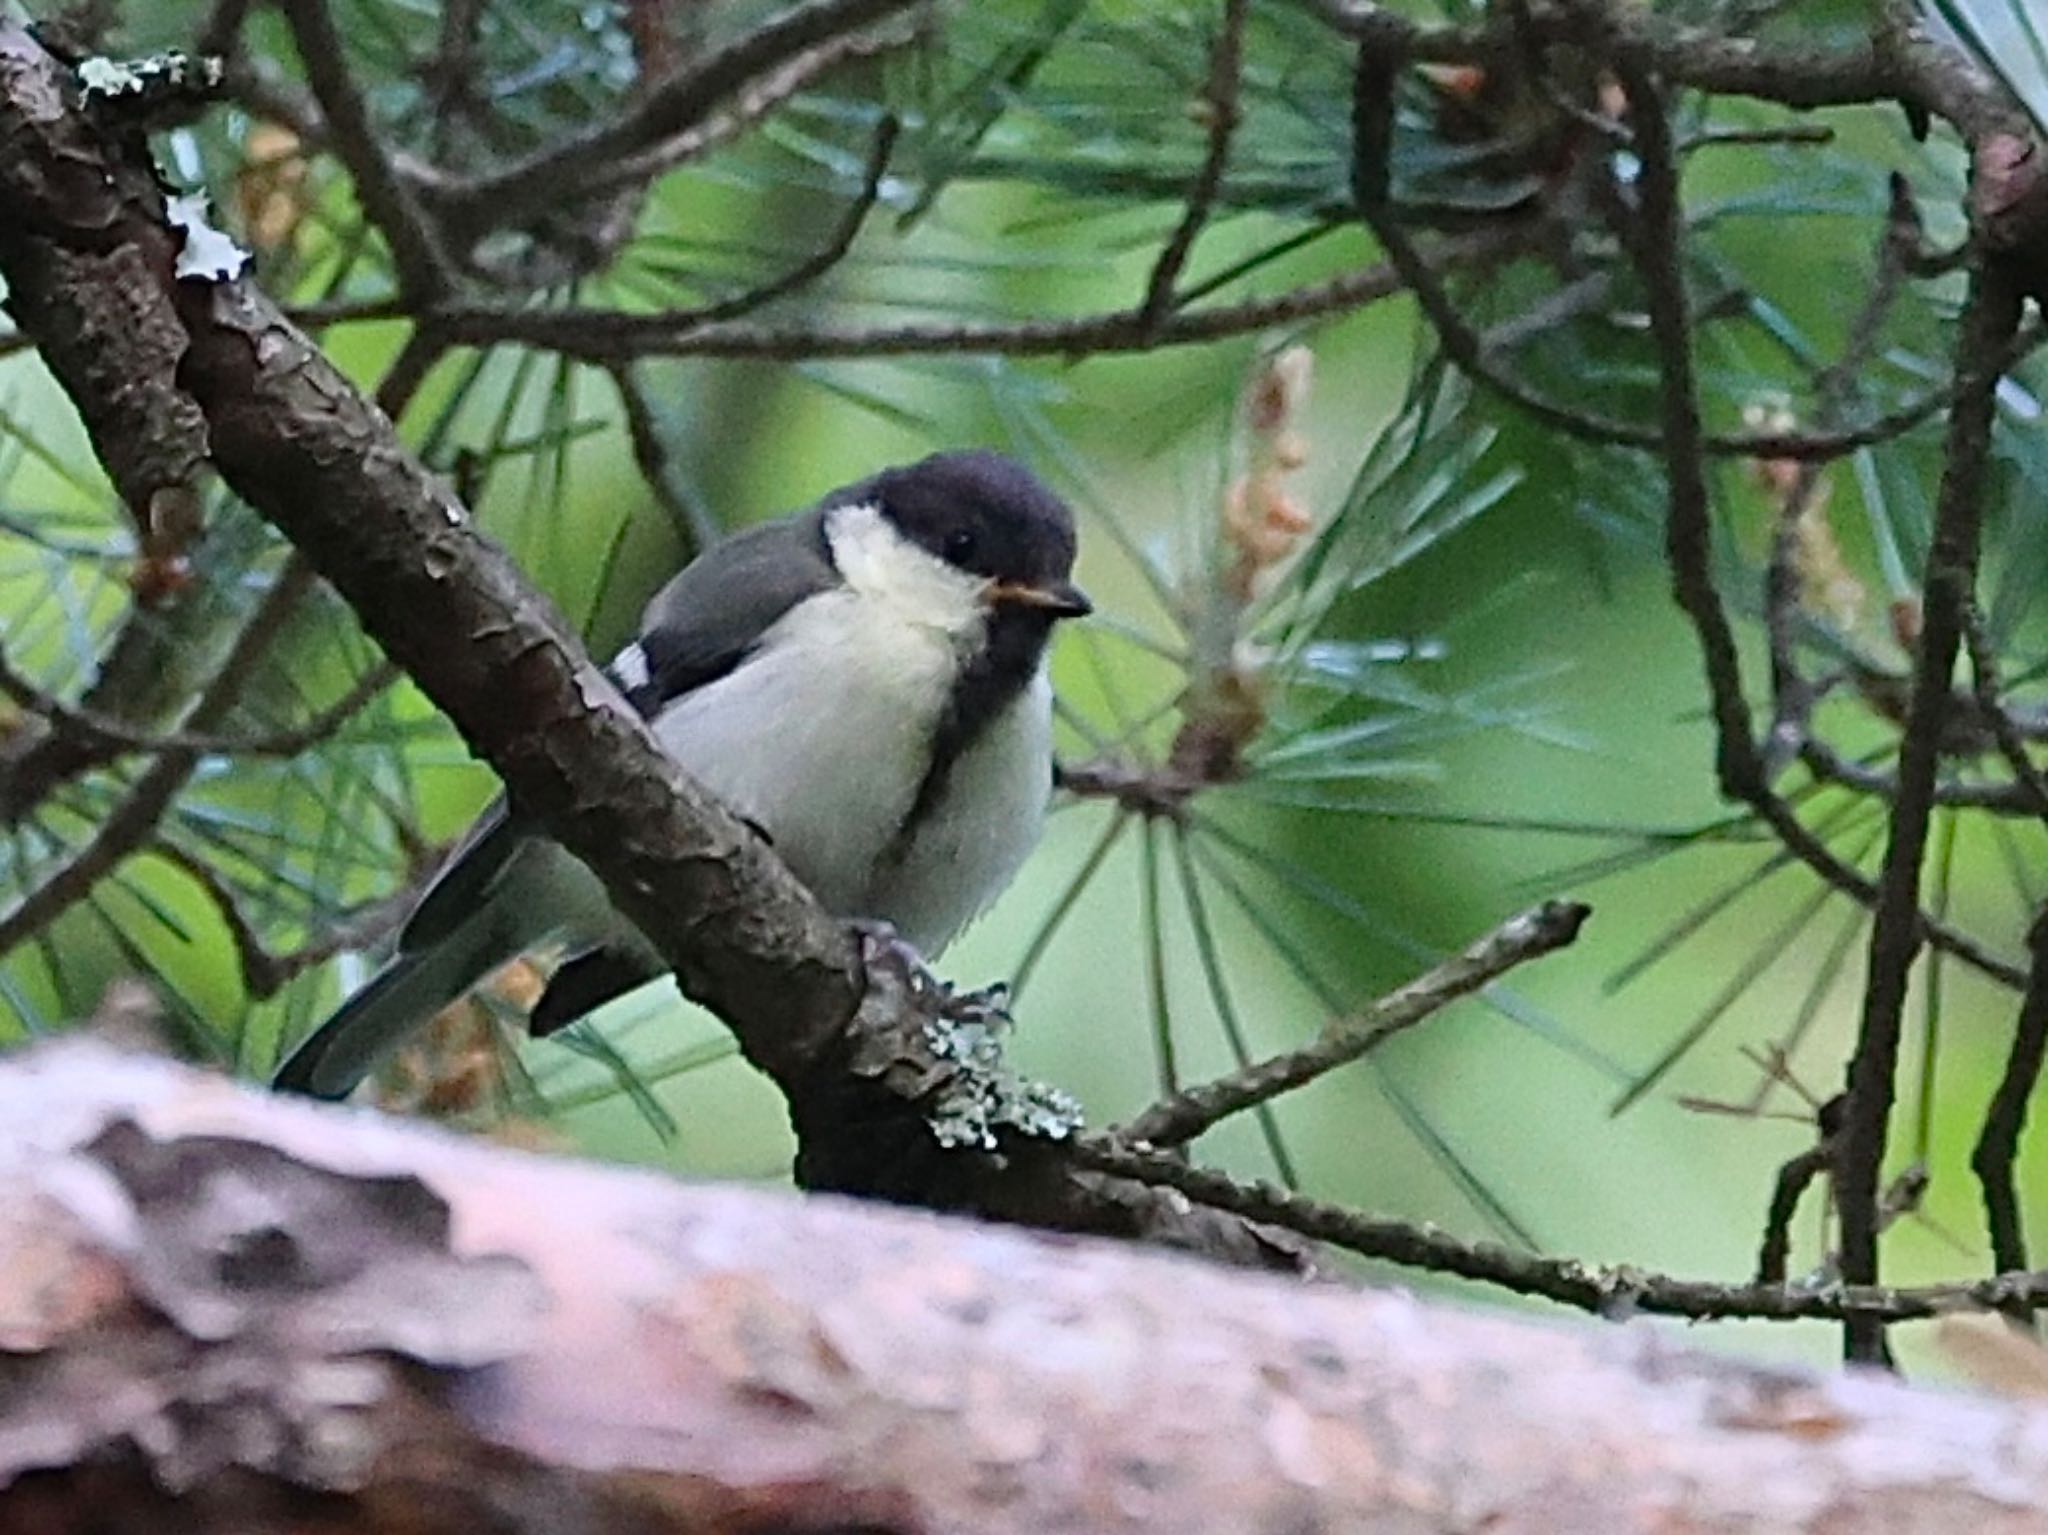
863, 682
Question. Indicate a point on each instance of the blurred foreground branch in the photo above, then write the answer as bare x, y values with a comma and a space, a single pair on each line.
227, 1311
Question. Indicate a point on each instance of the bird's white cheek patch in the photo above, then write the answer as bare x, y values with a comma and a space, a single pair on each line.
910, 585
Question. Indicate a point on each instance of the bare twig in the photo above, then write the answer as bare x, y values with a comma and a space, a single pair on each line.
105, 737
2002, 798
130, 824
1612, 1292
820, 261
384, 193
754, 102
1792, 1181
692, 524
1219, 101
222, 32
1793, 696
1183, 1116
1800, 840
1989, 319
451, 74
603, 335
1476, 355
1898, 63
1782, 133
2032, 787
265, 972
561, 172
409, 369
1998, 1142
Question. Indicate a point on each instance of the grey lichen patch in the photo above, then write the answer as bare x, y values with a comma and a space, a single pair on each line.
943, 1050
156, 92
985, 1097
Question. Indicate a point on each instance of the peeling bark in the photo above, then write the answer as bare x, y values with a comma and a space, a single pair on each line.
221, 1311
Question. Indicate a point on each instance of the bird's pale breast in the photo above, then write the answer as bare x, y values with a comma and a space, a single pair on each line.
822, 739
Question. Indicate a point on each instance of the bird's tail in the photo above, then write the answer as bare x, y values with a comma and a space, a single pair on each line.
414, 986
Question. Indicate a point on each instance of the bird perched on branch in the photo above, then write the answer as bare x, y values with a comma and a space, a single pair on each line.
863, 682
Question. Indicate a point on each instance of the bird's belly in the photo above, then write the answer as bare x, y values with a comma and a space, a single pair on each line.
821, 739
967, 847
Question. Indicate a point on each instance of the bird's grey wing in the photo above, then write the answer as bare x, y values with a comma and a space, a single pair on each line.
706, 620
695, 629
473, 871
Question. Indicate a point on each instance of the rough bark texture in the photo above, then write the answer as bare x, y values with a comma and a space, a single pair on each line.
224, 1311
94, 277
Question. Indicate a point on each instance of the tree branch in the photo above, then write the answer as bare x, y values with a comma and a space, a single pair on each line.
1898, 62
1998, 1143
608, 335
559, 174
242, 1314
87, 287
1897, 931
1183, 1116
386, 196
1219, 102
265, 973
132, 822
104, 738
1617, 1293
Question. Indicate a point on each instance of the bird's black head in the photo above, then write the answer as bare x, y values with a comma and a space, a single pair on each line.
990, 516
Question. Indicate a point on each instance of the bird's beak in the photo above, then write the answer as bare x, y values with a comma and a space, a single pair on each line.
1061, 600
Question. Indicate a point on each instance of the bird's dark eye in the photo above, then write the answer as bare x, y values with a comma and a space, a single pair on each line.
960, 545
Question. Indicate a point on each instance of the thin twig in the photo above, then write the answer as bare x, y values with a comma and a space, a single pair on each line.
562, 172
409, 369
129, 825
221, 34
1610, 1292
451, 74
1184, 1115
1990, 316
606, 335
1898, 63
754, 102
265, 973
825, 257
1998, 1143
1800, 840
1219, 98
692, 524
1781, 133
106, 737
1992, 796
385, 195
1476, 356
2012, 744
1793, 696
1792, 1181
